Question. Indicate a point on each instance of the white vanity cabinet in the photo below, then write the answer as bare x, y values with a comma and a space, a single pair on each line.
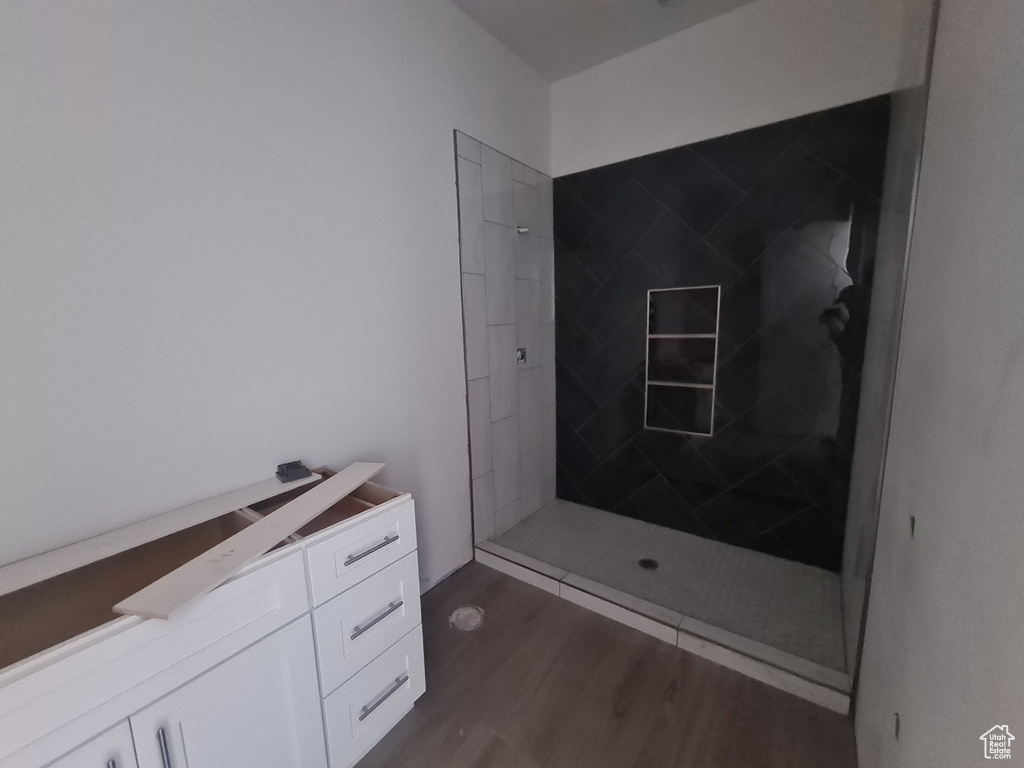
248, 675
260, 707
112, 749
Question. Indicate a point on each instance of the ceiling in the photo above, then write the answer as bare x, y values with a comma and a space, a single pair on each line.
561, 37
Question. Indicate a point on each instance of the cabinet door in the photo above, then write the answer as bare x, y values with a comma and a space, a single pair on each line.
112, 749
260, 707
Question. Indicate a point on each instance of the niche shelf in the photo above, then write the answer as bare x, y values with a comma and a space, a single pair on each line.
682, 357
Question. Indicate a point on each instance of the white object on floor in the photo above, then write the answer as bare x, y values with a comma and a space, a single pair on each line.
467, 618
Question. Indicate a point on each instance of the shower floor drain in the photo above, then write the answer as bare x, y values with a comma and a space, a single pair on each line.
467, 618
648, 563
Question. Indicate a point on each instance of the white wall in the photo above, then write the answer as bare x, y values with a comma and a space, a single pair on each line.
228, 237
943, 643
766, 61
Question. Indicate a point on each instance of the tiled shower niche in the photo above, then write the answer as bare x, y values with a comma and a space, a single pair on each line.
682, 349
784, 219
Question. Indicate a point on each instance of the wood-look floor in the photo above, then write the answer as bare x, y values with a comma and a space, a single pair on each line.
547, 684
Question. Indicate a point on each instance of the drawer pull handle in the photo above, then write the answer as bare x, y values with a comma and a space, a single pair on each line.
392, 607
368, 710
111, 763
387, 540
165, 753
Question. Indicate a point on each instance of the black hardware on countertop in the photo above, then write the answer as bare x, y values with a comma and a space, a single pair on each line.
292, 470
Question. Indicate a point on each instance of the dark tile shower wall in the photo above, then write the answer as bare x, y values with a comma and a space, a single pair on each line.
784, 218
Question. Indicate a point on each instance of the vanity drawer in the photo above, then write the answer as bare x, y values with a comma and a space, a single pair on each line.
353, 628
353, 554
366, 707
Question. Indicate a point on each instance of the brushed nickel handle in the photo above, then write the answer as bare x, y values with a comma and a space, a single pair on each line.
387, 540
165, 753
392, 607
368, 710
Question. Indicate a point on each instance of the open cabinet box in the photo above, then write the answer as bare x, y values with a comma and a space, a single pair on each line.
42, 615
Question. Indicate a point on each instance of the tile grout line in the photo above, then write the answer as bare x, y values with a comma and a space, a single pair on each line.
698, 235
576, 258
585, 445
601, 406
782, 232
771, 166
614, 453
813, 499
710, 165
632, 248
692, 510
572, 318
613, 201
579, 379
843, 176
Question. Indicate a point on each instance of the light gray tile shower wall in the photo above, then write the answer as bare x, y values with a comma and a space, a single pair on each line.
471, 216
545, 187
548, 475
532, 466
547, 345
500, 275
474, 318
504, 380
528, 328
508, 304
530, 432
467, 147
483, 508
478, 394
505, 445
524, 207
508, 517
546, 267
524, 173
497, 185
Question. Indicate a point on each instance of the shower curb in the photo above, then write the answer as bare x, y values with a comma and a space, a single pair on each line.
812, 682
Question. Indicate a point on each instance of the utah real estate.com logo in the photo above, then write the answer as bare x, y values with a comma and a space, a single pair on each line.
997, 742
